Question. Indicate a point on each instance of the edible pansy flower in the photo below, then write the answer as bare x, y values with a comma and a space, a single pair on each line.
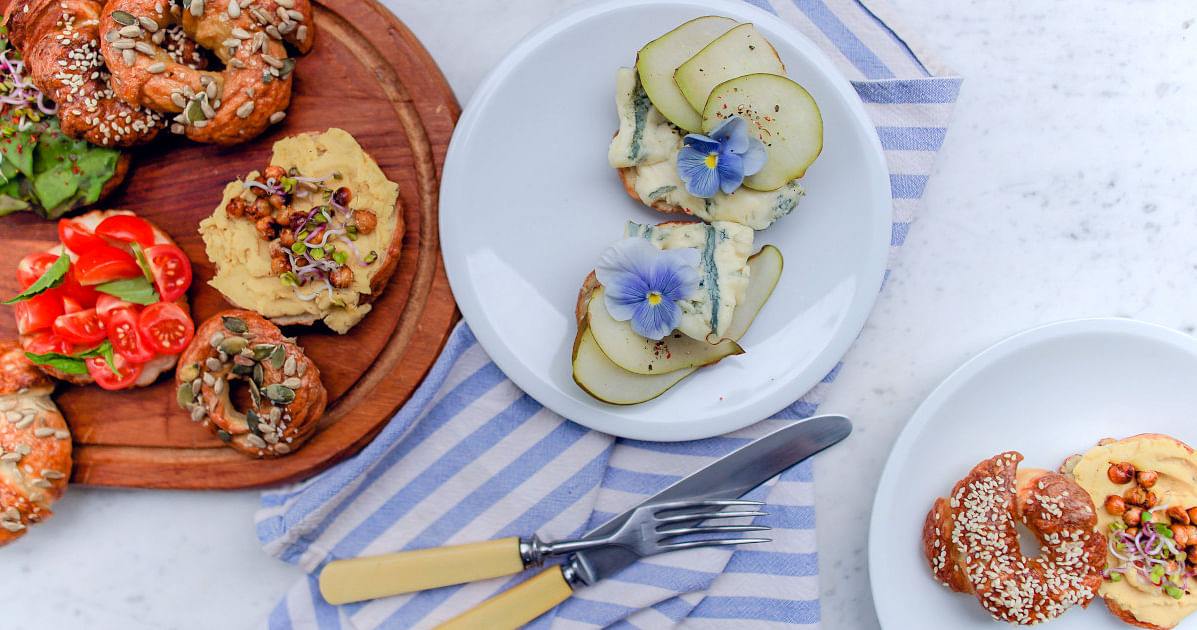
642, 284
708, 164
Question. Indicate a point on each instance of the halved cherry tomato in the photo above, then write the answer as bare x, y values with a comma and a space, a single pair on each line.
83, 327
105, 264
166, 327
105, 304
126, 340
32, 267
127, 228
44, 343
70, 305
85, 296
39, 312
99, 370
77, 238
172, 271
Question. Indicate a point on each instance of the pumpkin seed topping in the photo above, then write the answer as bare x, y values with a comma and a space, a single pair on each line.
278, 357
263, 350
280, 394
251, 419
233, 345
223, 435
259, 374
234, 324
185, 395
124, 18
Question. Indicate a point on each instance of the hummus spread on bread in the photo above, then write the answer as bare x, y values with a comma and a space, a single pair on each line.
243, 259
1176, 466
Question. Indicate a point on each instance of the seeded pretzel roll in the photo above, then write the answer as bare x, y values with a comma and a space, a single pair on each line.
60, 44
151, 369
225, 107
971, 542
286, 395
35, 445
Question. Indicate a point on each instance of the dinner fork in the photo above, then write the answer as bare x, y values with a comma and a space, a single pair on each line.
648, 530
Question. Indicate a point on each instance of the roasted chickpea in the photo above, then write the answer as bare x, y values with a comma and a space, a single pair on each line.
342, 196
290, 216
267, 228
1115, 505
1147, 478
286, 237
258, 209
1133, 516
1135, 496
280, 265
1132, 531
342, 277
1151, 501
1180, 535
236, 207
365, 221
1121, 473
277, 201
1178, 515
273, 172
1192, 512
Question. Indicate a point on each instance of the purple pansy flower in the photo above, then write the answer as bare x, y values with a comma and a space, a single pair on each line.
643, 283
720, 161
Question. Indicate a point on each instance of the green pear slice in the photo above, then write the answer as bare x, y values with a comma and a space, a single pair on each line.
637, 354
598, 376
604, 380
736, 53
658, 60
784, 117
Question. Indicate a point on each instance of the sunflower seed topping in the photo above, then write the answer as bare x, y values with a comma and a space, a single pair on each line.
255, 440
273, 32
123, 44
209, 380
50, 473
212, 363
41, 483
197, 413
218, 386
216, 339
245, 110
148, 24
272, 61
234, 10
158, 37
282, 449
132, 30
301, 33
286, 27
289, 366
240, 33
295, 15
286, 4
12, 526
43, 432
277, 117
128, 56
112, 35
24, 422
197, 7
10, 457
144, 48
236, 63
158, 68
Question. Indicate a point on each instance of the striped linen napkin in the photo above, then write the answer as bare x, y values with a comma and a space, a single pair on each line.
471, 457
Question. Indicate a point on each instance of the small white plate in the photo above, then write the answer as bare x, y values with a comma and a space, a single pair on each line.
528, 202
1048, 392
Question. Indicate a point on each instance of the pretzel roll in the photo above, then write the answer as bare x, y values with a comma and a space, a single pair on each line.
971, 541
225, 107
286, 396
59, 41
35, 445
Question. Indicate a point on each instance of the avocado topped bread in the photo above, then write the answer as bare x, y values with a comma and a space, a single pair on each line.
314, 236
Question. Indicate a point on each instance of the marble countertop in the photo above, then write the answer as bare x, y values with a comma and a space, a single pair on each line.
1065, 188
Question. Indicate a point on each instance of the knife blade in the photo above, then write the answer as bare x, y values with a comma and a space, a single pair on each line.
729, 477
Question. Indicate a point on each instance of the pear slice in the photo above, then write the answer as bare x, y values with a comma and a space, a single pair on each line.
637, 354
658, 60
598, 376
784, 117
736, 53
604, 380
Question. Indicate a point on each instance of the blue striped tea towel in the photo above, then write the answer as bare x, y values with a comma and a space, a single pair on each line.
471, 457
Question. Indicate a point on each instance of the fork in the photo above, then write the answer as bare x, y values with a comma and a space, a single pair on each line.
648, 530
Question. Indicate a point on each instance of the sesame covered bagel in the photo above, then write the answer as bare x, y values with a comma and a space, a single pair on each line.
247, 36
35, 445
286, 396
971, 541
60, 43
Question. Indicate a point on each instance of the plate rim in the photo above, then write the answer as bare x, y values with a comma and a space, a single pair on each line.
966, 371
609, 420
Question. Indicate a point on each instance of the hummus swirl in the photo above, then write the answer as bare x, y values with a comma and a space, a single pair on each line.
1177, 485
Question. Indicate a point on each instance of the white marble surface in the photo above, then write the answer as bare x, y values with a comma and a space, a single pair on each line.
1065, 188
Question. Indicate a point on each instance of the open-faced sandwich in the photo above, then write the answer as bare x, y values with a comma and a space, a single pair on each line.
314, 236
1146, 487
664, 301
710, 126
108, 305
42, 169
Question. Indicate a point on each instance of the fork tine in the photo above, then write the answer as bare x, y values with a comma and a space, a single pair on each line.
707, 515
706, 529
689, 505
720, 542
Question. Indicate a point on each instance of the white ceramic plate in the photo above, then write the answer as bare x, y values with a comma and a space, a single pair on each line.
528, 202
1048, 393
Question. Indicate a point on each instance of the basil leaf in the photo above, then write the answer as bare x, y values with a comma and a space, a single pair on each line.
63, 362
74, 363
52, 277
142, 262
135, 290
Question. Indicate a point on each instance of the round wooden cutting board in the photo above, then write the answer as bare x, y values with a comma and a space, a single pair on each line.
366, 74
